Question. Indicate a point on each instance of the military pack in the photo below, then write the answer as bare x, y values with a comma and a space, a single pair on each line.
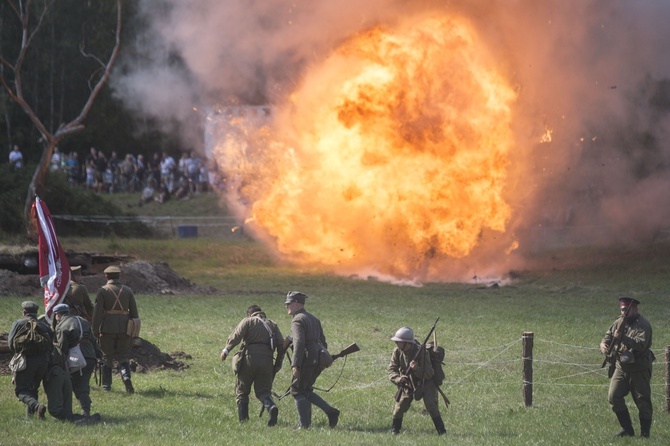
437, 361
31, 340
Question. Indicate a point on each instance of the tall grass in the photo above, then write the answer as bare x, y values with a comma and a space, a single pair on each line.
567, 308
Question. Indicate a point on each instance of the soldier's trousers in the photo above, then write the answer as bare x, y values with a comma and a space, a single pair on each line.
27, 382
638, 384
430, 400
256, 370
58, 387
115, 347
81, 384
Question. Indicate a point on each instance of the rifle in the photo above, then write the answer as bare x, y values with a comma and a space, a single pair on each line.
352, 348
615, 345
422, 348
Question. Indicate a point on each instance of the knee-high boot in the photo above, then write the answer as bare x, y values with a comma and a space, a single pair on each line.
333, 414
243, 411
106, 378
304, 412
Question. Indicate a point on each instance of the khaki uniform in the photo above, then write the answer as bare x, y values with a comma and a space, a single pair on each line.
67, 336
422, 379
114, 306
633, 377
259, 337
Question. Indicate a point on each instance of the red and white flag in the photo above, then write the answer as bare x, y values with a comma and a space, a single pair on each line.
54, 267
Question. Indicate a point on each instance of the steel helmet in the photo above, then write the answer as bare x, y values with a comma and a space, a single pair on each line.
404, 334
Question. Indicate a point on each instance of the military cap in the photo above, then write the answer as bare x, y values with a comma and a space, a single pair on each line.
61, 309
628, 301
30, 307
112, 270
295, 296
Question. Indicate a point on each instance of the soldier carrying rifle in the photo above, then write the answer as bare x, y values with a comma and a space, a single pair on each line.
626, 345
411, 370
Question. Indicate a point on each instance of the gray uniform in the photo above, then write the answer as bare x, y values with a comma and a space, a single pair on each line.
308, 340
67, 336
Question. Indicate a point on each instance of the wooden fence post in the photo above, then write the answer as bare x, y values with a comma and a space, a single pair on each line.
527, 359
667, 378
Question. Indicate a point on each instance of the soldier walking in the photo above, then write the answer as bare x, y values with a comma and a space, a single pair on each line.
308, 342
632, 372
417, 384
260, 337
114, 306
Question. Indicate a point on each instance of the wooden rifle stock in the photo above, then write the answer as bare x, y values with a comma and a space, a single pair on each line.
352, 348
401, 387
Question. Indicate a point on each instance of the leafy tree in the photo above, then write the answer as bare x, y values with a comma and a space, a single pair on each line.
41, 32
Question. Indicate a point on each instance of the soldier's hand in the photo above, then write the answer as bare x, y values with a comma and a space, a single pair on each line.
296, 372
224, 355
403, 380
412, 364
603, 347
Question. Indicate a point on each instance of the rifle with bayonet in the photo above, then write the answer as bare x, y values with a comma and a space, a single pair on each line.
615, 345
407, 382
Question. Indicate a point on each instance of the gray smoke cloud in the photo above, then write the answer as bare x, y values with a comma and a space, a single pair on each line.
594, 74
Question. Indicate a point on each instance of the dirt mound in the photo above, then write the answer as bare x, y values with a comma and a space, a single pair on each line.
142, 277
144, 357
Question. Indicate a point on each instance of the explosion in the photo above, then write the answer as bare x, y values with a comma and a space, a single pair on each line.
390, 156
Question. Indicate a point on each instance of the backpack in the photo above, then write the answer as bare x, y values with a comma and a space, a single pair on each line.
30, 340
436, 360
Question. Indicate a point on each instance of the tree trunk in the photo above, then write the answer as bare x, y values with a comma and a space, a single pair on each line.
36, 187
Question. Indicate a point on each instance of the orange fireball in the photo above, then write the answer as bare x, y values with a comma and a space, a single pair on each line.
390, 157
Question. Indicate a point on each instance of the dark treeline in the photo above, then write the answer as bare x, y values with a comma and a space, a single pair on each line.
56, 83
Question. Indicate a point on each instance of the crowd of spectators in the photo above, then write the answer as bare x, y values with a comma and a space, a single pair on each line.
158, 179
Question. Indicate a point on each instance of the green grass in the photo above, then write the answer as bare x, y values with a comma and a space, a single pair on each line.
568, 305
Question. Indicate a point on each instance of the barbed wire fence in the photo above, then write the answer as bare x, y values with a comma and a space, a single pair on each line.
508, 364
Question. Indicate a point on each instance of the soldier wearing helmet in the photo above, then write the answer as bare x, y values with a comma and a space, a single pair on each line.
308, 342
417, 384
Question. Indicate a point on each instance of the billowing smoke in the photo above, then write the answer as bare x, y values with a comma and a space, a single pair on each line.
589, 163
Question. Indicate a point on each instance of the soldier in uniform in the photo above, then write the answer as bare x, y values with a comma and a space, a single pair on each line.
114, 306
417, 384
27, 382
70, 331
632, 373
77, 297
308, 341
260, 338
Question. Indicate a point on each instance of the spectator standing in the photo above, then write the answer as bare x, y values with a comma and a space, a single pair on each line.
16, 158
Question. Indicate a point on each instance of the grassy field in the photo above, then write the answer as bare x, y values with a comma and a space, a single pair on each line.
567, 305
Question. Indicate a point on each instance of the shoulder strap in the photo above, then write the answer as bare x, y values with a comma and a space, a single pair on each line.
116, 296
267, 327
